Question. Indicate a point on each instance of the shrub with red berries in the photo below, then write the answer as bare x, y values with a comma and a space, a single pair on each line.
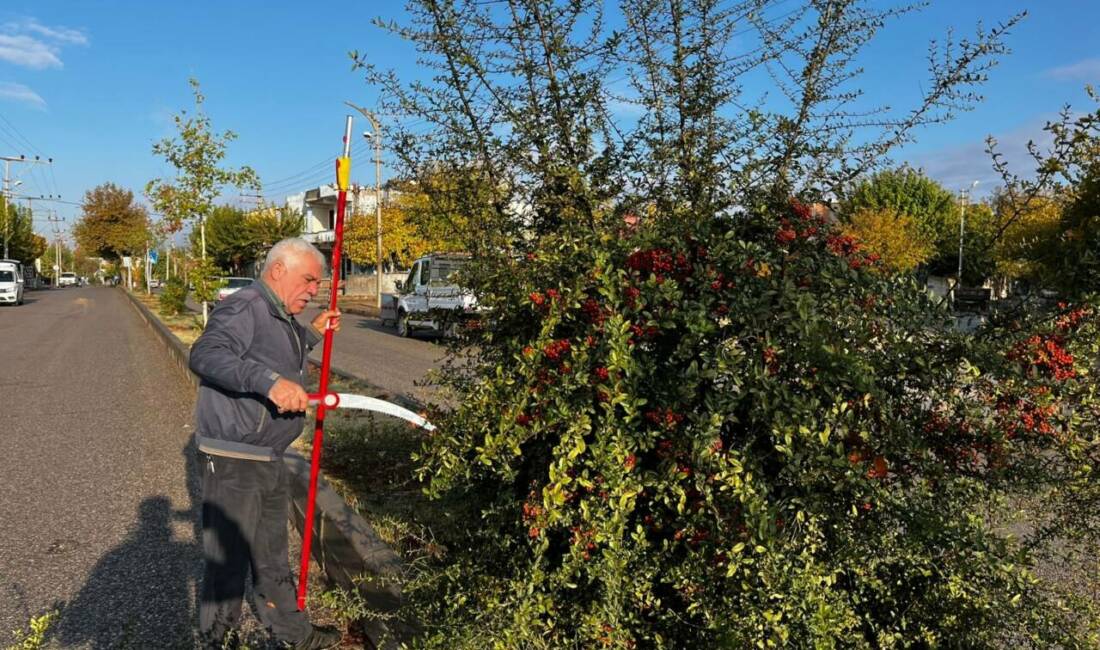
745, 432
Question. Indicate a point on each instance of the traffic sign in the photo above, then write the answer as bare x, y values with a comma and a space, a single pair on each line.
153, 257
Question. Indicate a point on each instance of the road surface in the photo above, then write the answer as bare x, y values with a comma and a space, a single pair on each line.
98, 507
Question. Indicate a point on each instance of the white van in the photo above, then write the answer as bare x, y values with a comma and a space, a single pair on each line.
11, 282
68, 279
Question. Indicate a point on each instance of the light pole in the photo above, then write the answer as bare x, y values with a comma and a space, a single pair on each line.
965, 196
377, 137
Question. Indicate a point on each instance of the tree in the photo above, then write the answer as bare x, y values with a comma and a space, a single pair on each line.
699, 415
228, 243
17, 225
894, 237
1079, 261
1068, 170
268, 226
111, 224
1031, 245
196, 156
933, 210
403, 236
235, 237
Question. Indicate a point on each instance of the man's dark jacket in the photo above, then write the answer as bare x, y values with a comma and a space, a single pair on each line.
249, 342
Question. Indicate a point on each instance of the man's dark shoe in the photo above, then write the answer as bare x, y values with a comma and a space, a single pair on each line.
322, 637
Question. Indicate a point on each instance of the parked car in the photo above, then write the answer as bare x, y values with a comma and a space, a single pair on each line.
67, 279
11, 282
232, 285
430, 299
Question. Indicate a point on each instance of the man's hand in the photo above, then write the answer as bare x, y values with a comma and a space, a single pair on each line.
330, 319
288, 396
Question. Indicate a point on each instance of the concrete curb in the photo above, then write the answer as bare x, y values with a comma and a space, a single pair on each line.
344, 544
179, 352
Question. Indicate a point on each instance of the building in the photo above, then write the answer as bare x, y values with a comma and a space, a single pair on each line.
318, 209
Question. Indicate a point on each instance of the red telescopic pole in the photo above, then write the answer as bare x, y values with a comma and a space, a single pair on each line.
343, 174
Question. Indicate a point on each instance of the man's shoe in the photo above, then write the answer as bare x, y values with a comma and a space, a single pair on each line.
322, 637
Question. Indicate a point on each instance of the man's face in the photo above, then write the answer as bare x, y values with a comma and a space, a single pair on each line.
296, 280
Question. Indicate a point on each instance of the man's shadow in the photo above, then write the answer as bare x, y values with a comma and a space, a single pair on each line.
138, 594
145, 592
141, 593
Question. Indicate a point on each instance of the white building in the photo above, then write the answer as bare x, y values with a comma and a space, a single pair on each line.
318, 209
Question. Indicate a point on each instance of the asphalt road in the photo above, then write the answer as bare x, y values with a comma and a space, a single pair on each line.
366, 349
98, 502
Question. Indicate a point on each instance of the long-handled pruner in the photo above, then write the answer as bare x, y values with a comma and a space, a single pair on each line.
325, 400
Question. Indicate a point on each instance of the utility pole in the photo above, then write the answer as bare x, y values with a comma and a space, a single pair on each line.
55, 220
377, 137
8, 160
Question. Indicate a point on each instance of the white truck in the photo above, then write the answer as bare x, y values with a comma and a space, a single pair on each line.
430, 299
11, 282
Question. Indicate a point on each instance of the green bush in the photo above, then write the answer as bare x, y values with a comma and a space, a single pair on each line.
743, 432
173, 299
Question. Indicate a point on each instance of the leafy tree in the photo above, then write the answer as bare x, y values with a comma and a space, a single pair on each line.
403, 238
17, 225
1068, 170
205, 277
268, 226
1079, 262
933, 210
196, 156
111, 224
228, 242
700, 416
235, 237
1030, 246
894, 237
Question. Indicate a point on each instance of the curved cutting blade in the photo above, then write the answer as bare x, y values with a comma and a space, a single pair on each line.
363, 403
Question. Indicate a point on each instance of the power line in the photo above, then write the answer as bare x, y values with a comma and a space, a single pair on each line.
312, 170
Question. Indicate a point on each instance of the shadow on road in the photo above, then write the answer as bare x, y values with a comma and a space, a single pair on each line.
141, 593
138, 595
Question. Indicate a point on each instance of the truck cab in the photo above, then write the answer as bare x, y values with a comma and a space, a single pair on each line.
11, 282
430, 298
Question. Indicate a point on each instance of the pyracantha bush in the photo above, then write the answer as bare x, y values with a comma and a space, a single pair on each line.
745, 432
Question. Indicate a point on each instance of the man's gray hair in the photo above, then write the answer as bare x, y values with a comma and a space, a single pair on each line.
292, 246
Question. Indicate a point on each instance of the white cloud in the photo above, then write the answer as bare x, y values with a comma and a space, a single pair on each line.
20, 93
61, 34
28, 51
1086, 70
957, 166
33, 45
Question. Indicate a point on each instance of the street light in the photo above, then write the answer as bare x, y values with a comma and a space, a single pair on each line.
377, 137
965, 193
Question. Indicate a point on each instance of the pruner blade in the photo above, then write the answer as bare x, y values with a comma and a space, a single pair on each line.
364, 403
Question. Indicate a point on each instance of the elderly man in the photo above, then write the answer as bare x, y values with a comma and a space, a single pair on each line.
252, 362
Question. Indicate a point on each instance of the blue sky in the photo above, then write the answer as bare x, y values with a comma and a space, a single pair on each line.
94, 83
